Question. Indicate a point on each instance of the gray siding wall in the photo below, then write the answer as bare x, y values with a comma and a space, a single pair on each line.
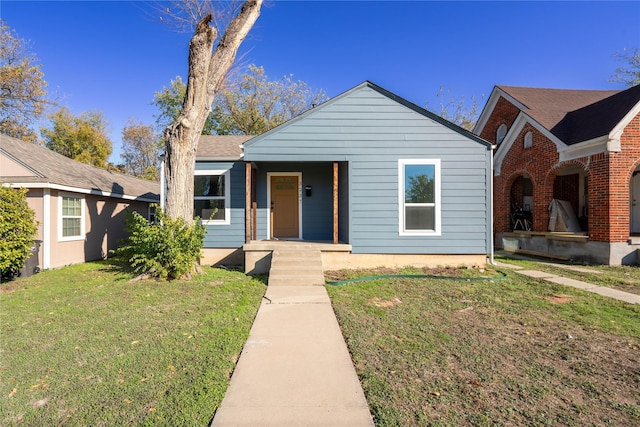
371, 132
228, 235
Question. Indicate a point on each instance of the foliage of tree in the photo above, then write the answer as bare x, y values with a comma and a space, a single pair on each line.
421, 189
169, 103
18, 229
206, 72
250, 104
82, 138
140, 150
629, 74
253, 104
456, 109
22, 87
167, 248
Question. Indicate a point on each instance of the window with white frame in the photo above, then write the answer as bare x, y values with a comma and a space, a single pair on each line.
211, 196
528, 140
71, 210
419, 196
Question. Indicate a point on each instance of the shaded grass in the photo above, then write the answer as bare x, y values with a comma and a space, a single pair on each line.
491, 353
83, 346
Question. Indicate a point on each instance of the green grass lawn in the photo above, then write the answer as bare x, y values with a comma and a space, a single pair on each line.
510, 352
622, 277
83, 346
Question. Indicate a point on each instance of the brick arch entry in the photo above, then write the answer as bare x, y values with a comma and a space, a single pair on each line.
566, 182
521, 202
503, 200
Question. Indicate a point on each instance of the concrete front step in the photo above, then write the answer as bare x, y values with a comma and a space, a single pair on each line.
296, 268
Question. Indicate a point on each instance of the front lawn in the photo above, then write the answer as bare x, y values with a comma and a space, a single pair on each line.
516, 351
84, 346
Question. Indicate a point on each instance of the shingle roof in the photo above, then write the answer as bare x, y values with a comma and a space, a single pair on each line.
224, 147
575, 115
53, 168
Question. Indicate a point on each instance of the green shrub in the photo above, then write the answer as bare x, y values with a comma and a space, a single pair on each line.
18, 228
167, 248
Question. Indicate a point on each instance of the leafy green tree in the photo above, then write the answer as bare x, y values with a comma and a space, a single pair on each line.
82, 138
166, 249
140, 150
18, 228
629, 74
169, 103
22, 87
421, 189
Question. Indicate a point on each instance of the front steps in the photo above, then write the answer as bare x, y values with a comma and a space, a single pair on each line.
296, 266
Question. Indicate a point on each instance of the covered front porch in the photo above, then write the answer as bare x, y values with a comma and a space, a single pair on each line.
296, 201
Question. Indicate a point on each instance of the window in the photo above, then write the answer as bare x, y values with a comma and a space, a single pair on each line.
71, 226
211, 196
528, 140
419, 192
501, 133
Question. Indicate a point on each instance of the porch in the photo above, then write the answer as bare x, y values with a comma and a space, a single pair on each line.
567, 246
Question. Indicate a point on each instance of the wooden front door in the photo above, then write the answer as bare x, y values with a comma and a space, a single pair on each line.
285, 206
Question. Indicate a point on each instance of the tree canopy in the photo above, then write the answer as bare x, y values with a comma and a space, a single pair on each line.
22, 87
82, 138
250, 104
140, 150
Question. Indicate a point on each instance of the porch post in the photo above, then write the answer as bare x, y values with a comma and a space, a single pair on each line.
247, 203
335, 203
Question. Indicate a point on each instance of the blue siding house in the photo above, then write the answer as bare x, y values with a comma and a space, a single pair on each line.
370, 178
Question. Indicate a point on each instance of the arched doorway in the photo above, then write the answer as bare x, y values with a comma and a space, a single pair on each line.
634, 202
521, 202
571, 187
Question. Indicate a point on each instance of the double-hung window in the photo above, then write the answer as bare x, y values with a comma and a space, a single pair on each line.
211, 196
419, 197
71, 224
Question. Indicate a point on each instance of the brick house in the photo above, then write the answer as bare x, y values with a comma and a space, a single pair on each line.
580, 147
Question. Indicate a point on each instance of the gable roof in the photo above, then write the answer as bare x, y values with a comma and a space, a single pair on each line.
386, 93
571, 116
53, 170
549, 106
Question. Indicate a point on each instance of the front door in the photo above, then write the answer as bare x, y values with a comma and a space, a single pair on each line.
635, 203
285, 207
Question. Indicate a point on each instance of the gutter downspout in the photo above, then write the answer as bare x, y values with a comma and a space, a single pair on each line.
46, 229
491, 238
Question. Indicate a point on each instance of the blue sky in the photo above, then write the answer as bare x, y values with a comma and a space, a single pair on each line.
112, 56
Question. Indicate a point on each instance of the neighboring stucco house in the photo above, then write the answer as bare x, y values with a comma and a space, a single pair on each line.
80, 208
580, 147
369, 177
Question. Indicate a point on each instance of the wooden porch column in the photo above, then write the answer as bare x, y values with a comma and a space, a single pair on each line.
247, 203
335, 203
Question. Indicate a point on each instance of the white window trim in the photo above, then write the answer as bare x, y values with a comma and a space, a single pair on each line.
401, 205
227, 196
62, 238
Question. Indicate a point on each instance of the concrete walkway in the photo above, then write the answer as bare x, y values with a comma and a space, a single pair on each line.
295, 369
554, 278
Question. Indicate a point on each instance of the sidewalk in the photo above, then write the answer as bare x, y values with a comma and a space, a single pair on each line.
295, 369
554, 278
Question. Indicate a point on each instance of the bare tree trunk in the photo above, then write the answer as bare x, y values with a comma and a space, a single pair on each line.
206, 74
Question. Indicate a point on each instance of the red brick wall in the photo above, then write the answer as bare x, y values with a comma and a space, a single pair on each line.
503, 113
609, 175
